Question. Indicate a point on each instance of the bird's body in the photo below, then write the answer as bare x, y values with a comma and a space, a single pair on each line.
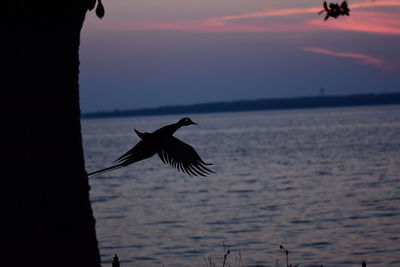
171, 151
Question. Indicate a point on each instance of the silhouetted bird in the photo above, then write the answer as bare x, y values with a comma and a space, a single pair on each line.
171, 151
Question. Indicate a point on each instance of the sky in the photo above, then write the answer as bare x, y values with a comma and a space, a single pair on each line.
152, 53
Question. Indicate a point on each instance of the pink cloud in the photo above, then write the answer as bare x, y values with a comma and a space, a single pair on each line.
299, 11
365, 21
268, 13
361, 58
362, 21
186, 26
196, 26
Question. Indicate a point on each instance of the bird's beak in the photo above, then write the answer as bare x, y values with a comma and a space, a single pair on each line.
194, 123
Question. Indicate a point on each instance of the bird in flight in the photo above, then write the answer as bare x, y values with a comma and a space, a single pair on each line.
170, 149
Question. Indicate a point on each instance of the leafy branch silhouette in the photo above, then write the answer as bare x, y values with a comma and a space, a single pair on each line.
99, 8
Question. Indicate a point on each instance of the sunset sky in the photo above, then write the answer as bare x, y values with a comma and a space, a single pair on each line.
166, 52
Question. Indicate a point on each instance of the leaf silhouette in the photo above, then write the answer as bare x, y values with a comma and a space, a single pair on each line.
100, 10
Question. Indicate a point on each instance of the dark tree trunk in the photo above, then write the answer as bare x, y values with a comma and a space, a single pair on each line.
49, 220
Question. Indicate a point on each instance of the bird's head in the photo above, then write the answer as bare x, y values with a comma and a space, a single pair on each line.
186, 122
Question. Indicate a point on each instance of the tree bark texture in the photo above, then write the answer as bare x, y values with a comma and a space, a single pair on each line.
49, 219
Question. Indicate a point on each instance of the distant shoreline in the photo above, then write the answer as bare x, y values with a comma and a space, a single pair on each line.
256, 105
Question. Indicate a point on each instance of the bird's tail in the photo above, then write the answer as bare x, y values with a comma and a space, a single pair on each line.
105, 170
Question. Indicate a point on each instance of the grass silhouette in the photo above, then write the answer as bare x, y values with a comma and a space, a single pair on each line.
238, 262
224, 261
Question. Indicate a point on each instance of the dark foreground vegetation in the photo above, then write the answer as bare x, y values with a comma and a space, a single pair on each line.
260, 104
228, 259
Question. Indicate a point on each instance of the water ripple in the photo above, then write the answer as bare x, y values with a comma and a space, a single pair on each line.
324, 182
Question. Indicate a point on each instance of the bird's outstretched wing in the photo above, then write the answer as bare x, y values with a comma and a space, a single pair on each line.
183, 157
140, 151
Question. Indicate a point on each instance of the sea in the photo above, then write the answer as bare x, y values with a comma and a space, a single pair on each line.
322, 185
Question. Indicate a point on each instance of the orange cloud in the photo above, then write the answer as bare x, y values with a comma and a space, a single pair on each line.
361, 58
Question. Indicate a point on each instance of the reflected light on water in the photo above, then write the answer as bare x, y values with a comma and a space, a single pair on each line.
325, 183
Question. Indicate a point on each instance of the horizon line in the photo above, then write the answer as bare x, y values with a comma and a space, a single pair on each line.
116, 111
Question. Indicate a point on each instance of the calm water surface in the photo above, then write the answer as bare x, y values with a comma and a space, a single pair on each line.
325, 183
